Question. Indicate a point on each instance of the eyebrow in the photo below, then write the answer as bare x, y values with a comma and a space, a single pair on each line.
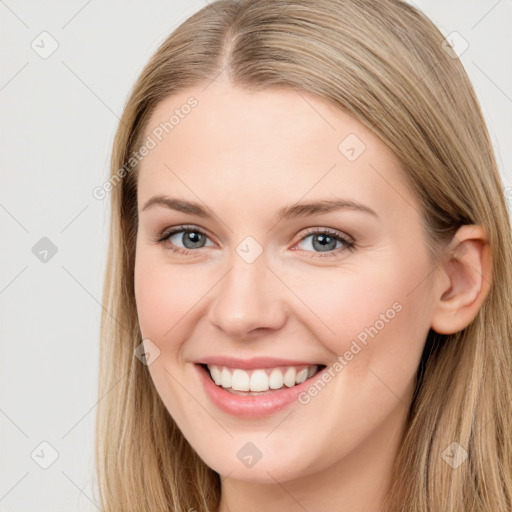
287, 212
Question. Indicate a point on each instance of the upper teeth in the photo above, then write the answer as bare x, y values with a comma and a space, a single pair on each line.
260, 380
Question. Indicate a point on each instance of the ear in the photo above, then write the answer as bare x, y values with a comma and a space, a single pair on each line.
463, 280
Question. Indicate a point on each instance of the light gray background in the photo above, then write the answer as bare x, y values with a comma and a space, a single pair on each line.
58, 117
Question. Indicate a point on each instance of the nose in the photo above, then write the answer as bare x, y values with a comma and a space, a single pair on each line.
248, 299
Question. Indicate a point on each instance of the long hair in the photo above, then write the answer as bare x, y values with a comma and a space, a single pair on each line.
384, 63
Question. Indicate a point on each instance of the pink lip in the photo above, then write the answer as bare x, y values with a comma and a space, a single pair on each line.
251, 364
246, 406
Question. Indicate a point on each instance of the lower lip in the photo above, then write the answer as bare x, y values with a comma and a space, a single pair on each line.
251, 406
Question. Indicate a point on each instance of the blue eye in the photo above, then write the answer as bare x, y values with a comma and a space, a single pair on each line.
196, 241
324, 240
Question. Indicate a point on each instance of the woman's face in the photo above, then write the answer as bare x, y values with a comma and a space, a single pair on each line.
262, 287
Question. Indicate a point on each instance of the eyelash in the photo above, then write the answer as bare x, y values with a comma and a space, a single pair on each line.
348, 243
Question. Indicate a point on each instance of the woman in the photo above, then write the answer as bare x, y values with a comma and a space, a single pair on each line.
309, 277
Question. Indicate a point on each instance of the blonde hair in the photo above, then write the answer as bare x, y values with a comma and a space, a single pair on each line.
383, 62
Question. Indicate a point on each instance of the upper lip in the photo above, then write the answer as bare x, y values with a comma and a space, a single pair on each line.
253, 363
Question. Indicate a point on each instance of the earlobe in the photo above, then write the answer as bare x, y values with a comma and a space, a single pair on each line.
463, 281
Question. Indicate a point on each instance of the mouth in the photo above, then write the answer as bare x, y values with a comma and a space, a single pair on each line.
259, 381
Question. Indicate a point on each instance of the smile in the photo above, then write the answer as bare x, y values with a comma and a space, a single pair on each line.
261, 379
278, 387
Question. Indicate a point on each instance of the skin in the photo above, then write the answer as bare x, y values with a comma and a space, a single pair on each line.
245, 155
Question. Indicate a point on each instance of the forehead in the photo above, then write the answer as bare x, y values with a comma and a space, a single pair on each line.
274, 144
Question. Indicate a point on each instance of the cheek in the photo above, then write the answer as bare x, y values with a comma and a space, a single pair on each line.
378, 318
164, 294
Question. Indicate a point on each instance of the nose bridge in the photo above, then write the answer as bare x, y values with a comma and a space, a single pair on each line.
248, 296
